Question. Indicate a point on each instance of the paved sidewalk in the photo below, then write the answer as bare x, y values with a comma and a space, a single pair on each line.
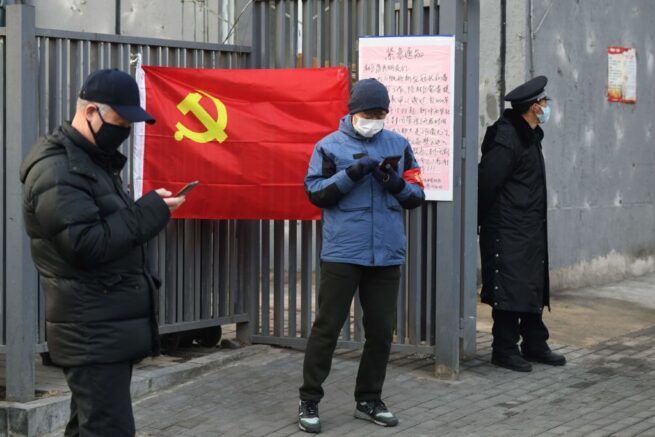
607, 390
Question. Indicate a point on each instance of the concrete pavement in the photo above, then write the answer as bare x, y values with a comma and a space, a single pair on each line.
607, 387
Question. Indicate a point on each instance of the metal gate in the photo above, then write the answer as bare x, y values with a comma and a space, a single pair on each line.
436, 304
261, 275
42, 71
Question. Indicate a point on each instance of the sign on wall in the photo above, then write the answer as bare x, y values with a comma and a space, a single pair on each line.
419, 74
621, 74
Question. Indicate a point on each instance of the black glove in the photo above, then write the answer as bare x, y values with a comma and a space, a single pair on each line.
361, 168
389, 179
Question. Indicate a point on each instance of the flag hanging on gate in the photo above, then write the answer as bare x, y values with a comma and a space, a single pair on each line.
246, 135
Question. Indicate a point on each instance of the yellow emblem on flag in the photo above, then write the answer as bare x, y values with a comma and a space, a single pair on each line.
215, 128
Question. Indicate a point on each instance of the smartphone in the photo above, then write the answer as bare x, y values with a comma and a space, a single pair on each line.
188, 187
390, 162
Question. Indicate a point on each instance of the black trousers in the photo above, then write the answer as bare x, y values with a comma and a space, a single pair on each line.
101, 405
510, 325
378, 293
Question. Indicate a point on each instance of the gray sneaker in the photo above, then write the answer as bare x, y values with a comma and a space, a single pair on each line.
376, 412
308, 419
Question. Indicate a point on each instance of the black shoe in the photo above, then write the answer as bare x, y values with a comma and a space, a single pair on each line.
546, 357
308, 419
512, 362
376, 412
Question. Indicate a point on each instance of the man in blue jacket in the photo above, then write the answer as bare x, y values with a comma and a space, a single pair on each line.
363, 246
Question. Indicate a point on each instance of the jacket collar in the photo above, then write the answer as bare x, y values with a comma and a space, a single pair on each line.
523, 129
82, 154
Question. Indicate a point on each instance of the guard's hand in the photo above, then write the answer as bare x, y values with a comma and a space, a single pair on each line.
389, 179
172, 202
362, 167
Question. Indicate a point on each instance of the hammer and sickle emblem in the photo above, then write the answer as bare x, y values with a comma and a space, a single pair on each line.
215, 128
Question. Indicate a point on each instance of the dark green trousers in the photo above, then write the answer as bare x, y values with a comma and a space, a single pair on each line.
378, 293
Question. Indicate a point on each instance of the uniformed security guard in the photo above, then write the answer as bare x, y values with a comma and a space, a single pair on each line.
513, 229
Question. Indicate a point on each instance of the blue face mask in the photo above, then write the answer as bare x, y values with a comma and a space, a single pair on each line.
545, 116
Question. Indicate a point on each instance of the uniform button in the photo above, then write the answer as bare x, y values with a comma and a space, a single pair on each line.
496, 287
104, 291
496, 271
542, 261
497, 240
495, 304
496, 255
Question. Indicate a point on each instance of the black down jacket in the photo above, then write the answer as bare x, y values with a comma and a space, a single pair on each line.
87, 238
512, 216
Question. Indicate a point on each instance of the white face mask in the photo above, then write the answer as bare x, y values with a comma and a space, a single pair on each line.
368, 127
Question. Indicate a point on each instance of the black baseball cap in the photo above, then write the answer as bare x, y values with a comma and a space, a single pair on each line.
118, 90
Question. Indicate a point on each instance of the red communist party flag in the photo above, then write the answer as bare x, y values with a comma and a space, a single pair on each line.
246, 135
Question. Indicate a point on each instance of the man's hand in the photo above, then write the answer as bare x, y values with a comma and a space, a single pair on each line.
389, 179
362, 167
172, 202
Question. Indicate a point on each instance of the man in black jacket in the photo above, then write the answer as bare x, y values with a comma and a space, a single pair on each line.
87, 241
513, 230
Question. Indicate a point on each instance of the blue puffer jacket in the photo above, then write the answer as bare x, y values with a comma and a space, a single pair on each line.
362, 221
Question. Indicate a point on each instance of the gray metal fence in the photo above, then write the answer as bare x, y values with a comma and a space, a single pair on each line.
194, 258
261, 275
436, 306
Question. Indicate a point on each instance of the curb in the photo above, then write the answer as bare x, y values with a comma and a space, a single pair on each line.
43, 416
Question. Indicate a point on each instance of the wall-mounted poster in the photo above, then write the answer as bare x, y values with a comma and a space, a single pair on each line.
419, 73
621, 74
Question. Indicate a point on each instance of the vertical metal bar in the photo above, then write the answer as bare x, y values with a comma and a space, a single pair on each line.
55, 85
306, 279
448, 223
206, 273
266, 275
335, 32
470, 178
390, 17
197, 268
362, 9
256, 277
293, 29
401, 311
3, 257
320, 30
42, 106
280, 20
75, 81
292, 269
171, 272
250, 246
308, 33
414, 275
348, 37
403, 19
234, 266
434, 17
375, 18
187, 270
417, 17
20, 280
224, 269
266, 31
430, 251
278, 278
161, 269
181, 273
216, 267
257, 47
317, 257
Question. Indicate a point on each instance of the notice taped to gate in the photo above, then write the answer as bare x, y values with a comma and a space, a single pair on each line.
419, 73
